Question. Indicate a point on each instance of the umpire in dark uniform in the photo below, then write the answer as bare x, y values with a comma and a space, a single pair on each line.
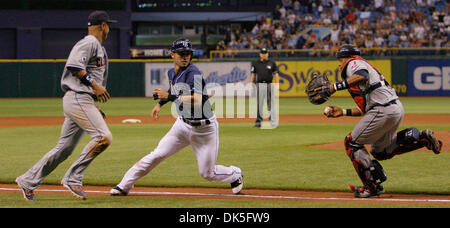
262, 75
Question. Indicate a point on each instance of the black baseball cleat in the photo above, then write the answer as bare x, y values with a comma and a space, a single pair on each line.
76, 190
237, 186
28, 195
116, 191
433, 143
363, 192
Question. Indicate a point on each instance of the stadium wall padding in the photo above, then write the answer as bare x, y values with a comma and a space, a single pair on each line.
399, 76
41, 78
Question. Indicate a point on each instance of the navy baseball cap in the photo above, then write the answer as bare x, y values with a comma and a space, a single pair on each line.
97, 17
181, 45
264, 50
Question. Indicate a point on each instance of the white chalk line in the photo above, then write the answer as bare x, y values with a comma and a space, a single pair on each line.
133, 193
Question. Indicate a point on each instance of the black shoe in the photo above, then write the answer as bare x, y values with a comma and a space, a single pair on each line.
363, 192
116, 191
237, 186
258, 124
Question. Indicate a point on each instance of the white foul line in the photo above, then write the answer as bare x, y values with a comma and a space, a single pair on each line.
251, 196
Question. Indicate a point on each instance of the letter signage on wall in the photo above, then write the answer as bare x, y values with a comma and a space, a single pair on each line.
428, 78
295, 75
219, 77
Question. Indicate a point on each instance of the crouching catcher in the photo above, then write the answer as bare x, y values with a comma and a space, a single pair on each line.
382, 114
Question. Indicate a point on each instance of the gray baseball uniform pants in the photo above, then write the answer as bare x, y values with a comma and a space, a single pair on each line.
264, 91
378, 128
81, 115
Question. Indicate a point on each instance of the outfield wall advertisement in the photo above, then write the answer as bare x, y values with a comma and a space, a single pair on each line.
428, 78
294, 75
219, 77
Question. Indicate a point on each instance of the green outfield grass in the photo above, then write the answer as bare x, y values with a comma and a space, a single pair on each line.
275, 159
272, 159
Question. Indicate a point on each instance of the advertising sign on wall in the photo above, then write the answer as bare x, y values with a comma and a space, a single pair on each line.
294, 75
219, 77
428, 78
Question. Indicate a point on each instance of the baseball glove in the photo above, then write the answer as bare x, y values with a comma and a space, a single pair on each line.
318, 89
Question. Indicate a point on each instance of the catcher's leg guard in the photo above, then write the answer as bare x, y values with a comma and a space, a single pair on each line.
408, 140
377, 172
378, 176
411, 139
369, 171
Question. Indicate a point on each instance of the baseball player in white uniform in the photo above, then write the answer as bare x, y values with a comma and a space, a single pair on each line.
84, 82
382, 114
196, 125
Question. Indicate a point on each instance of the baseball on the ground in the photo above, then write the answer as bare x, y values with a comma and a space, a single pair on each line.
327, 110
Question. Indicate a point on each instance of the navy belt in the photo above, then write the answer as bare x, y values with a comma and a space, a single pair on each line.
90, 94
389, 103
385, 105
376, 86
197, 123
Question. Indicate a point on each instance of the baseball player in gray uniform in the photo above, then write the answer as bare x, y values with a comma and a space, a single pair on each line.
196, 126
382, 114
84, 82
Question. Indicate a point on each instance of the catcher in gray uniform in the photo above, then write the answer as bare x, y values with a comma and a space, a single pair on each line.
382, 114
84, 82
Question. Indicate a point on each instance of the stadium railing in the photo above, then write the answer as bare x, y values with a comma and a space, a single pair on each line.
311, 53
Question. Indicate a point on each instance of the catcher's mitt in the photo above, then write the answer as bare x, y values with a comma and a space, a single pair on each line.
318, 89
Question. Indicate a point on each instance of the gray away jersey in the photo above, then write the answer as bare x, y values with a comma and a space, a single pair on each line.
381, 95
88, 54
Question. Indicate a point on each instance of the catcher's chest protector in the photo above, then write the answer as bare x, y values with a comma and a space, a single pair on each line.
355, 91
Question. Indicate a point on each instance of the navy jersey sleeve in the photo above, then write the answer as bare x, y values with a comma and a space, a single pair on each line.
363, 72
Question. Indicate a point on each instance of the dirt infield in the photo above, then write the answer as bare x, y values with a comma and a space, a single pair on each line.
247, 194
253, 194
300, 119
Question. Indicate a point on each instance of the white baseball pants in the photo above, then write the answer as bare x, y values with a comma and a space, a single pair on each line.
205, 143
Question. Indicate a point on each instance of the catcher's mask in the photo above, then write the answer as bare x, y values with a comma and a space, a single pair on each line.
347, 50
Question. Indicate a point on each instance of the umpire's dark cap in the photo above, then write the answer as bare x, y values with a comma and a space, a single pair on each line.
264, 50
97, 17
181, 45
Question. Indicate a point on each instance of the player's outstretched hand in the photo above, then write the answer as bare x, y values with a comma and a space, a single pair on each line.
100, 92
155, 111
333, 112
161, 94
